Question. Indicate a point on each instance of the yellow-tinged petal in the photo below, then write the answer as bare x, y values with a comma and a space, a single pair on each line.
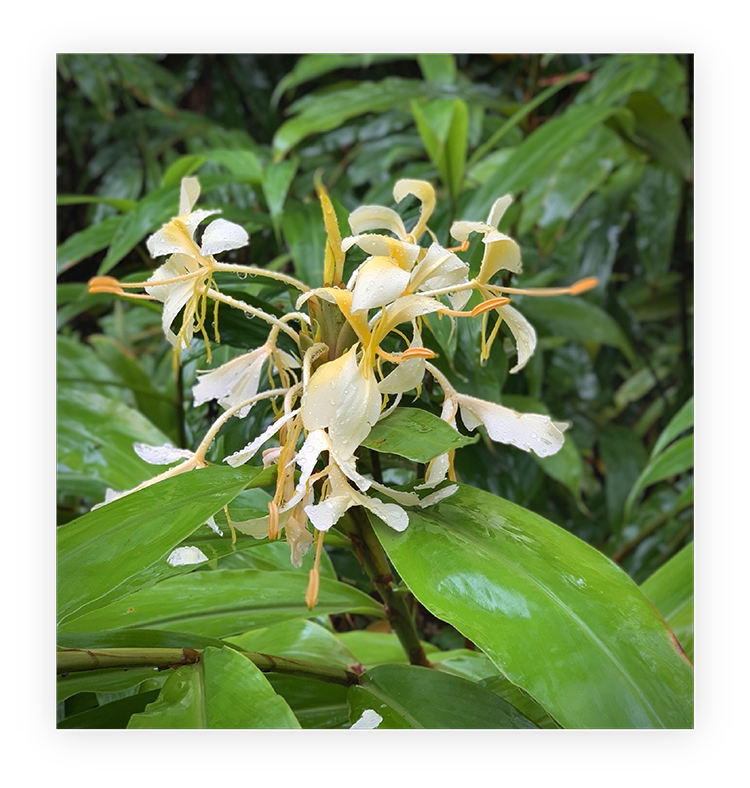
425, 193
190, 190
523, 332
379, 281
376, 217
404, 254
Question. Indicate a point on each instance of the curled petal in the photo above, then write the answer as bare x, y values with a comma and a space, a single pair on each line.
526, 431
438, 495
425, 193
523, 332
462, 230
499, 207
244, 455
176, 236
379, 282
438, 269
376, 217
501, 252
233, 382
161, 455
190, 190
221, 236
404, 254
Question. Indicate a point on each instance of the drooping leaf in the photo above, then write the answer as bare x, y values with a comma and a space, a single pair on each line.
517, 586
415, 434
226, 690
406, 696
123, 546
226, 603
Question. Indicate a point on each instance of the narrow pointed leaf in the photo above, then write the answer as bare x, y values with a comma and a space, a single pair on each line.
558, 618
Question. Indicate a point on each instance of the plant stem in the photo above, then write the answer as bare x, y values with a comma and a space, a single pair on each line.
72, 660
374, 561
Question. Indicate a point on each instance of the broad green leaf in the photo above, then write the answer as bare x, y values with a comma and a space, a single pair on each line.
325, 111
577, 319
182, 168
92, 199
661, 134
297, 639
472, 665
683, 420
226, 603
226, 690
658, 199
519, 699
443, 125
377, 648
276, 181
242, 163
252, 553
311, 66
406, 696
86, 243
95, 437
438, 68
565, 466
134, 638
624, 456
123, 546
305, 236
105, 680
673, 461
517, 585
316, 704
670, 588
539, 151
415, 434
112, 715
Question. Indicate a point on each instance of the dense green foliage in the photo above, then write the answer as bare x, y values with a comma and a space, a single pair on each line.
597, 152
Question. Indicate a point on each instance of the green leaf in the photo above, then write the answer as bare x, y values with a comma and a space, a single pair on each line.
683, 420
565, 466
86, 243
438, 68
297, 639
677, 459
310, 67
305, 236
661, 134
517, 585
112, 715
670, 588
95, 437
93, 199
623, 455
325, 111
134, 638
276, 181
105, 680
316, 704
124, 545
658, 200
443, 125
182, 168
226, 603
225, 691
519, 699
376, 648
406, 696
577, 319
415, 434
542, 149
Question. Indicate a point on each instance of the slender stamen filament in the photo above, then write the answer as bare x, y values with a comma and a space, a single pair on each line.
246, 269
225, 299
99, 282
412, 352
479, 309
582, 286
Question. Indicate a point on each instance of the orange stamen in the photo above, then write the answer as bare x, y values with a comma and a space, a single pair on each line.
584, 285
417, 352
486, 306
273, 520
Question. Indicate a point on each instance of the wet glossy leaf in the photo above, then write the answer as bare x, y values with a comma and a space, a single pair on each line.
297, 639
670, 588
415, 434
124, 545
406, 696
115, 715
226, 603
377, 648
517, 585
106, 680
316, 704
226, 690
577, 319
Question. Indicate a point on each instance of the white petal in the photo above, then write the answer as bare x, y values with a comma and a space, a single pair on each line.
184, 556
376, 217
391, 514
190, 189
439, 268
408, 307
499, 207
217, 383
401, 496
527, 431
438, 495
437, 471
300, 540
500, 253
379, 281
462, 230
328, 512
257, 527
405, 377
368, 721
177, 265
161, 455
523, 332
382, 245
243, 455
221, 235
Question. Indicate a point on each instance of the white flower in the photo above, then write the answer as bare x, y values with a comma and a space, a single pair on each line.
369, 720
234, 382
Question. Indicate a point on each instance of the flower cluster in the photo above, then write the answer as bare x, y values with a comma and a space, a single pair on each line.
358, 349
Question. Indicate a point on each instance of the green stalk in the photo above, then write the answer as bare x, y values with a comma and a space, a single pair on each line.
73, 660
374, 561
